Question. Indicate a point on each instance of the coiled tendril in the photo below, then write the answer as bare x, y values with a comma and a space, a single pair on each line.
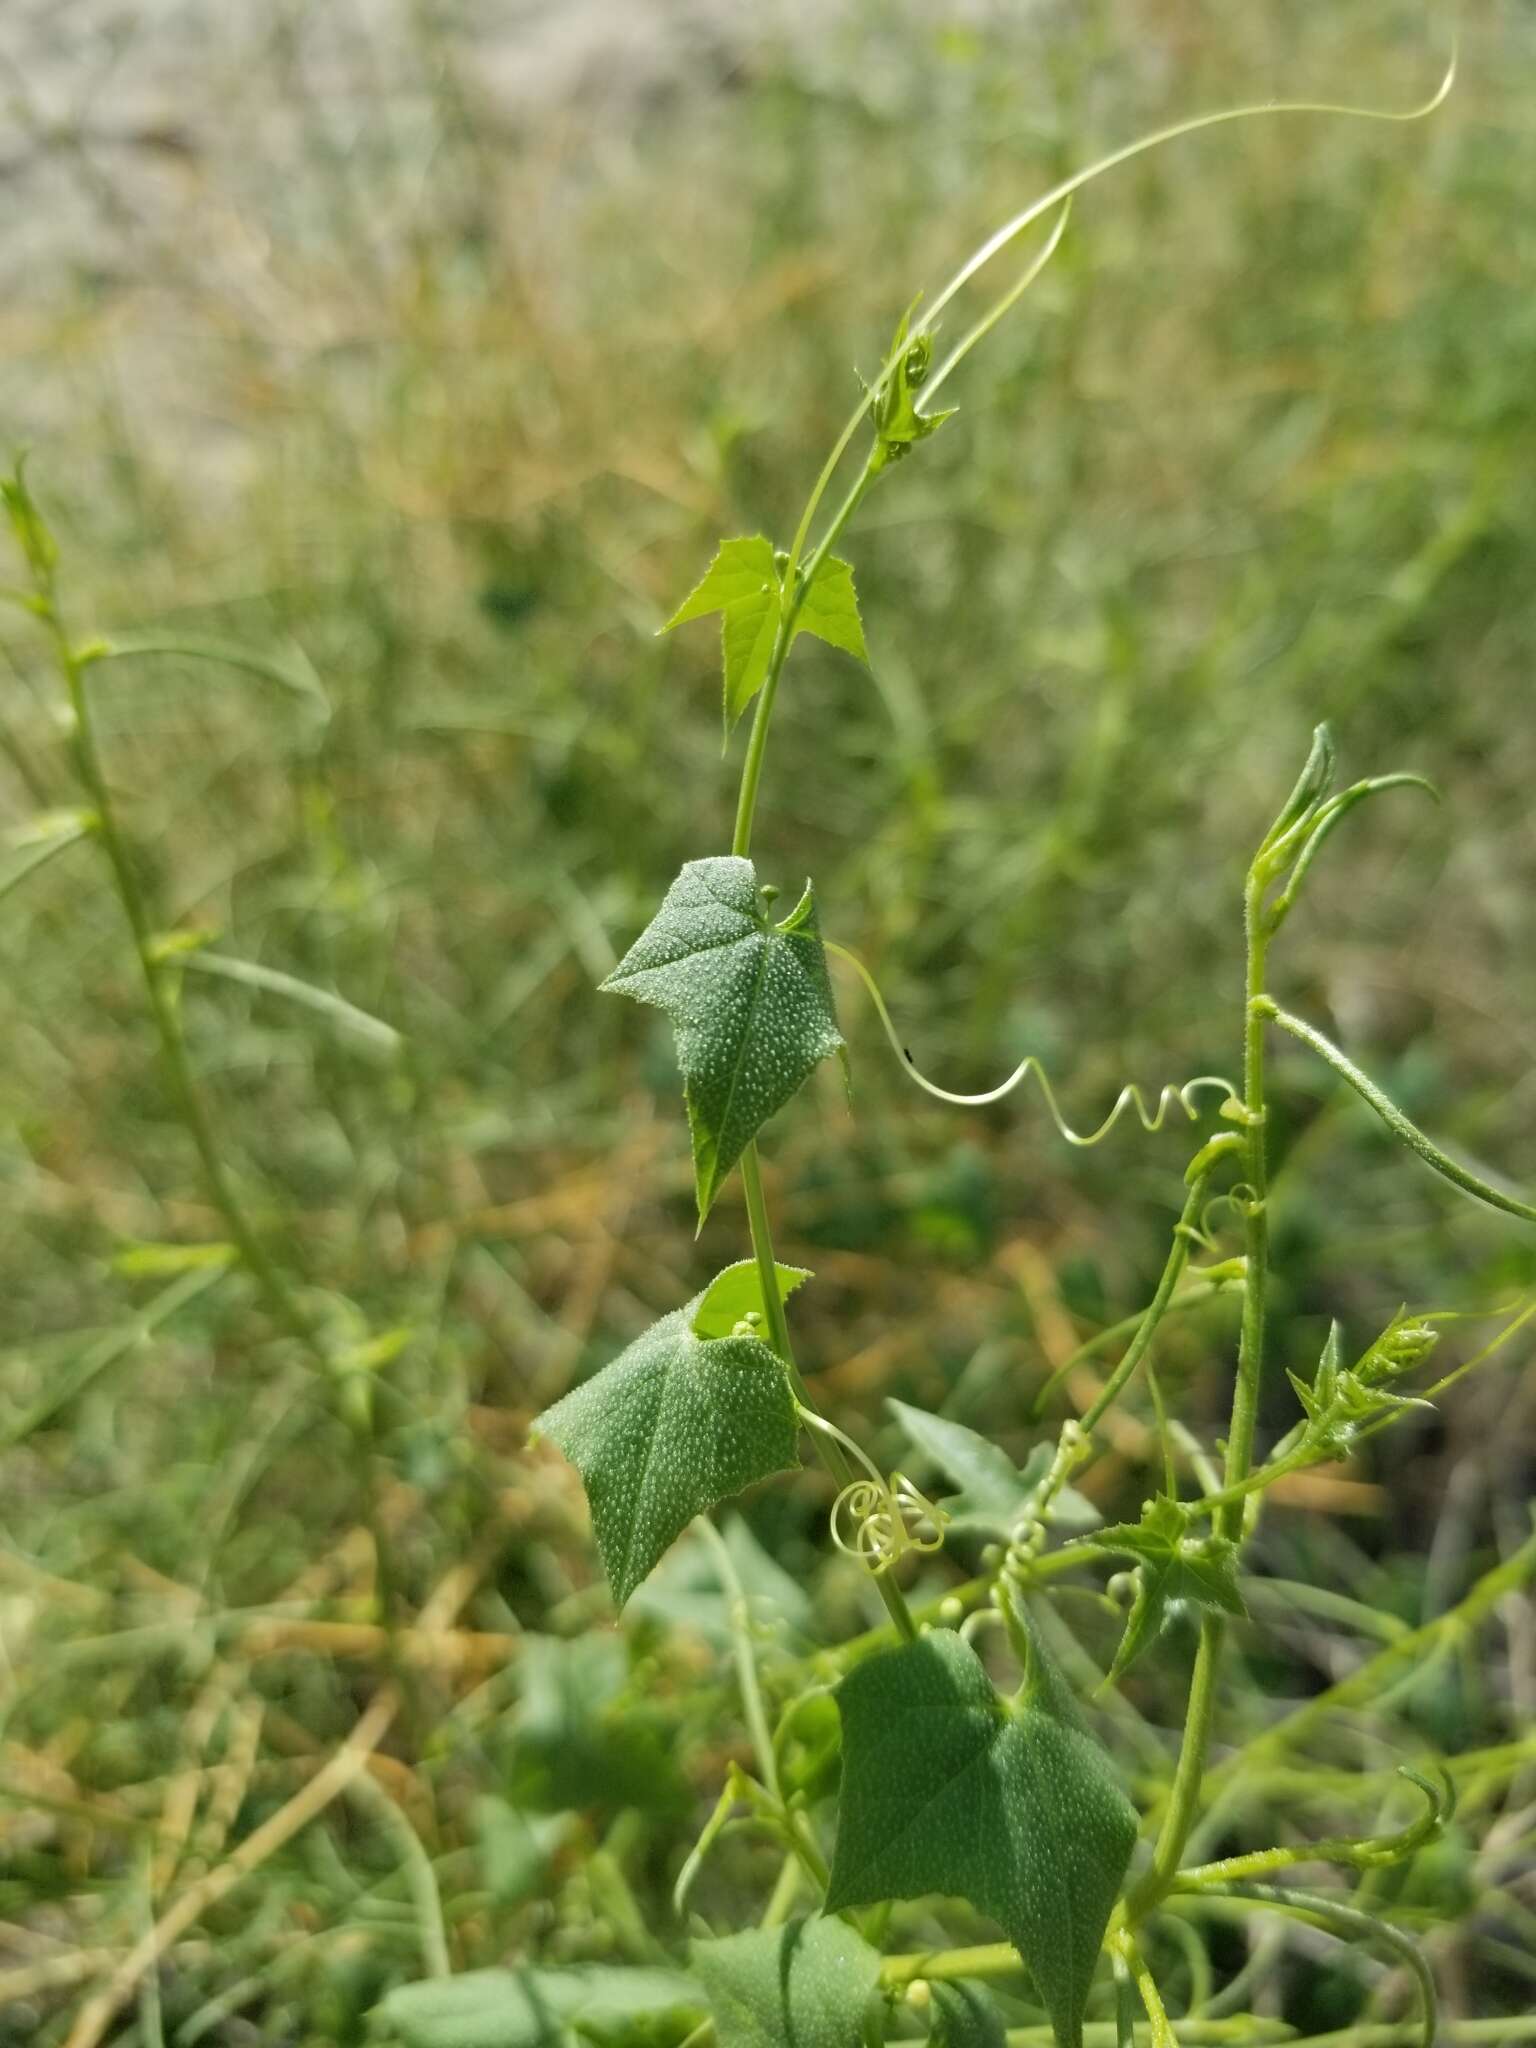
878, 1520
1129, 1098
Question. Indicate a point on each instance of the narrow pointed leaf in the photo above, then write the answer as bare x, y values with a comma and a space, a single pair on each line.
676, 1424
807, 1985
993, 1491
830, 609
750, 1001
1012, 1806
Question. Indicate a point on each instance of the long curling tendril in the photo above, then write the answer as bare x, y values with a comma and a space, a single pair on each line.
1130, 1097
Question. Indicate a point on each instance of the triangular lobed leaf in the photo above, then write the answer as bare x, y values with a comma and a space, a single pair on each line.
674, 1425
830, 609
1013, 1807
742, 584
740, 569
1174, 1565
750, 1001
806, 1985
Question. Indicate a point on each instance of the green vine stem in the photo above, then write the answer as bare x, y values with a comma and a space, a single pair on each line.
758, 1222
1349, 1924
1402, 1127
1202, 1166
1184, 1798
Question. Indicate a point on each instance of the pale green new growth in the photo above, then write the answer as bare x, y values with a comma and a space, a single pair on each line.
1011, 1805
676, 1424
744, 583
750, 1001
736, 1296
830, 609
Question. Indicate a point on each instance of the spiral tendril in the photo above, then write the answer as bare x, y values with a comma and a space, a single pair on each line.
880, 1521
1130, 1097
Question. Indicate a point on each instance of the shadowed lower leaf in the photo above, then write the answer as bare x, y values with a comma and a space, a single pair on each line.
806, 1985
1013, 1806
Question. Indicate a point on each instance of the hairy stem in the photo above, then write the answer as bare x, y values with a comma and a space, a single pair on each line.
1184, 1799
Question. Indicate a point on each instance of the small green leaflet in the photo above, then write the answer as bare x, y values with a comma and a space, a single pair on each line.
1012, 1806
742, 569
750, 1002
737, 1293
898, 423
1340, 1402
674, 1425
993, 1491
830, 610
744, 584
964, 2016
807, 1985
1172, 1566
536, 2008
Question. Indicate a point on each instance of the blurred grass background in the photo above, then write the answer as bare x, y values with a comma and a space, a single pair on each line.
432, 346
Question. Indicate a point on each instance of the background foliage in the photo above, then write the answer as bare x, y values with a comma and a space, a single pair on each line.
415, 347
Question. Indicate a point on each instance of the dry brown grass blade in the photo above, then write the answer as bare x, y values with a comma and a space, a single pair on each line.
332, 1779
328, 1783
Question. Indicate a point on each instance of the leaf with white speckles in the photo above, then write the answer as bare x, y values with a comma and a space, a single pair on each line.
807, 1985
674, 1425
1013, 1806
750, 1001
